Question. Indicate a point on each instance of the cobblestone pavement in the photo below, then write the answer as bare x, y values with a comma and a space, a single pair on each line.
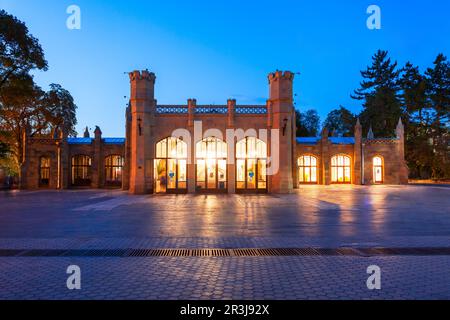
226, 278
326, 217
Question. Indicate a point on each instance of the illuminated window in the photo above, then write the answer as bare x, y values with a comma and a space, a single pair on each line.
211, 156
251, 164
378, 170
113, 170
341, 169
44, 172
81, 170
170, 167
307, 170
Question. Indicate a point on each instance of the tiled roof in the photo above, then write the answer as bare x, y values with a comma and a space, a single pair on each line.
90, 140
79, 140
114, 140
333, 140
308, 140
342, 140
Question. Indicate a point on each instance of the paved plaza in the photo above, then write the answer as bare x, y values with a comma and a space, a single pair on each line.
312, 217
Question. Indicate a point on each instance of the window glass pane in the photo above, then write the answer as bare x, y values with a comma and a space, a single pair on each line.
240, 165
182, 170
251, 174
340, 174
334, 174
334, 161
201, 173
307, 174
313, 161
301, 161
211, 173
262, 149
172, 173
347, 174
340, 160
314, 174
241, 149
307, 161
160, 175
347, 161
251, 147
262, 174
301, 174
222, 174
181, 150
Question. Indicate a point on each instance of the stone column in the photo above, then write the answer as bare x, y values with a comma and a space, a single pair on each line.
231, 161
357, 156
192, 104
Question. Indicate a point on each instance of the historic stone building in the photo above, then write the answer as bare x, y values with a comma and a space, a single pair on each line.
211, 149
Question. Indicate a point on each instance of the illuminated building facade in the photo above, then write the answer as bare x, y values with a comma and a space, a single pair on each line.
211, 149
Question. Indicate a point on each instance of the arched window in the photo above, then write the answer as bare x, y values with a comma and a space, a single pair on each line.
81, 170
44, 172
113, 170
211, 154
307, 170
341, 169
378, 170
171, 166
251, 165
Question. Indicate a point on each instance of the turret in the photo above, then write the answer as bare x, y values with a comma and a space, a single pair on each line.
142, 109
282, 118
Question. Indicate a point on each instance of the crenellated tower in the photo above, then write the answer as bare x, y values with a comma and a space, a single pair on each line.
142, 114
281, 106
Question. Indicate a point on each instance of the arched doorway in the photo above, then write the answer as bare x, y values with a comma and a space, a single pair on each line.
81, 171
113, 170
170, 166
378, 170
307, 170
341, 169
211, 165
251, 165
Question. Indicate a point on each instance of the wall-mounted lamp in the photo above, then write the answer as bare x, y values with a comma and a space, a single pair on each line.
140, 126
285, 121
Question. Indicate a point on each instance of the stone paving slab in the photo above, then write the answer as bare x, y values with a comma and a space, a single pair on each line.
225, 243
278, 278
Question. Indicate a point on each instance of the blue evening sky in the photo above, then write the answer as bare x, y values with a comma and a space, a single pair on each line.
215, 50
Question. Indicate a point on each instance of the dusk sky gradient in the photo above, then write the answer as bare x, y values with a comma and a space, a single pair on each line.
216, 50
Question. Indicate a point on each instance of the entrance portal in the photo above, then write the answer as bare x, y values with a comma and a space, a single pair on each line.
171, 166
211, 165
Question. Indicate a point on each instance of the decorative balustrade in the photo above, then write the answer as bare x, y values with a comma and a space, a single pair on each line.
210, 109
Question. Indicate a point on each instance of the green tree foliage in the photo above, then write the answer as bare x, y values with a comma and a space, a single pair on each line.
20, 51
379, 92
438, 92
341, 121
24, 106
308, 123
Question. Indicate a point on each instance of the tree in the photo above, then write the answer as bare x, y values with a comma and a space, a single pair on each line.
60, 109
380, 92
28, 109
307, 123
438, 91
342, 121
20, 52
419, 153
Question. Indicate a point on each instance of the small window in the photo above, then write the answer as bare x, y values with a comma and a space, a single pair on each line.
44, 172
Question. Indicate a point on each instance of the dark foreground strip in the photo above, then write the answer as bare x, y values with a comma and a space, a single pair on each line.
269, 252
